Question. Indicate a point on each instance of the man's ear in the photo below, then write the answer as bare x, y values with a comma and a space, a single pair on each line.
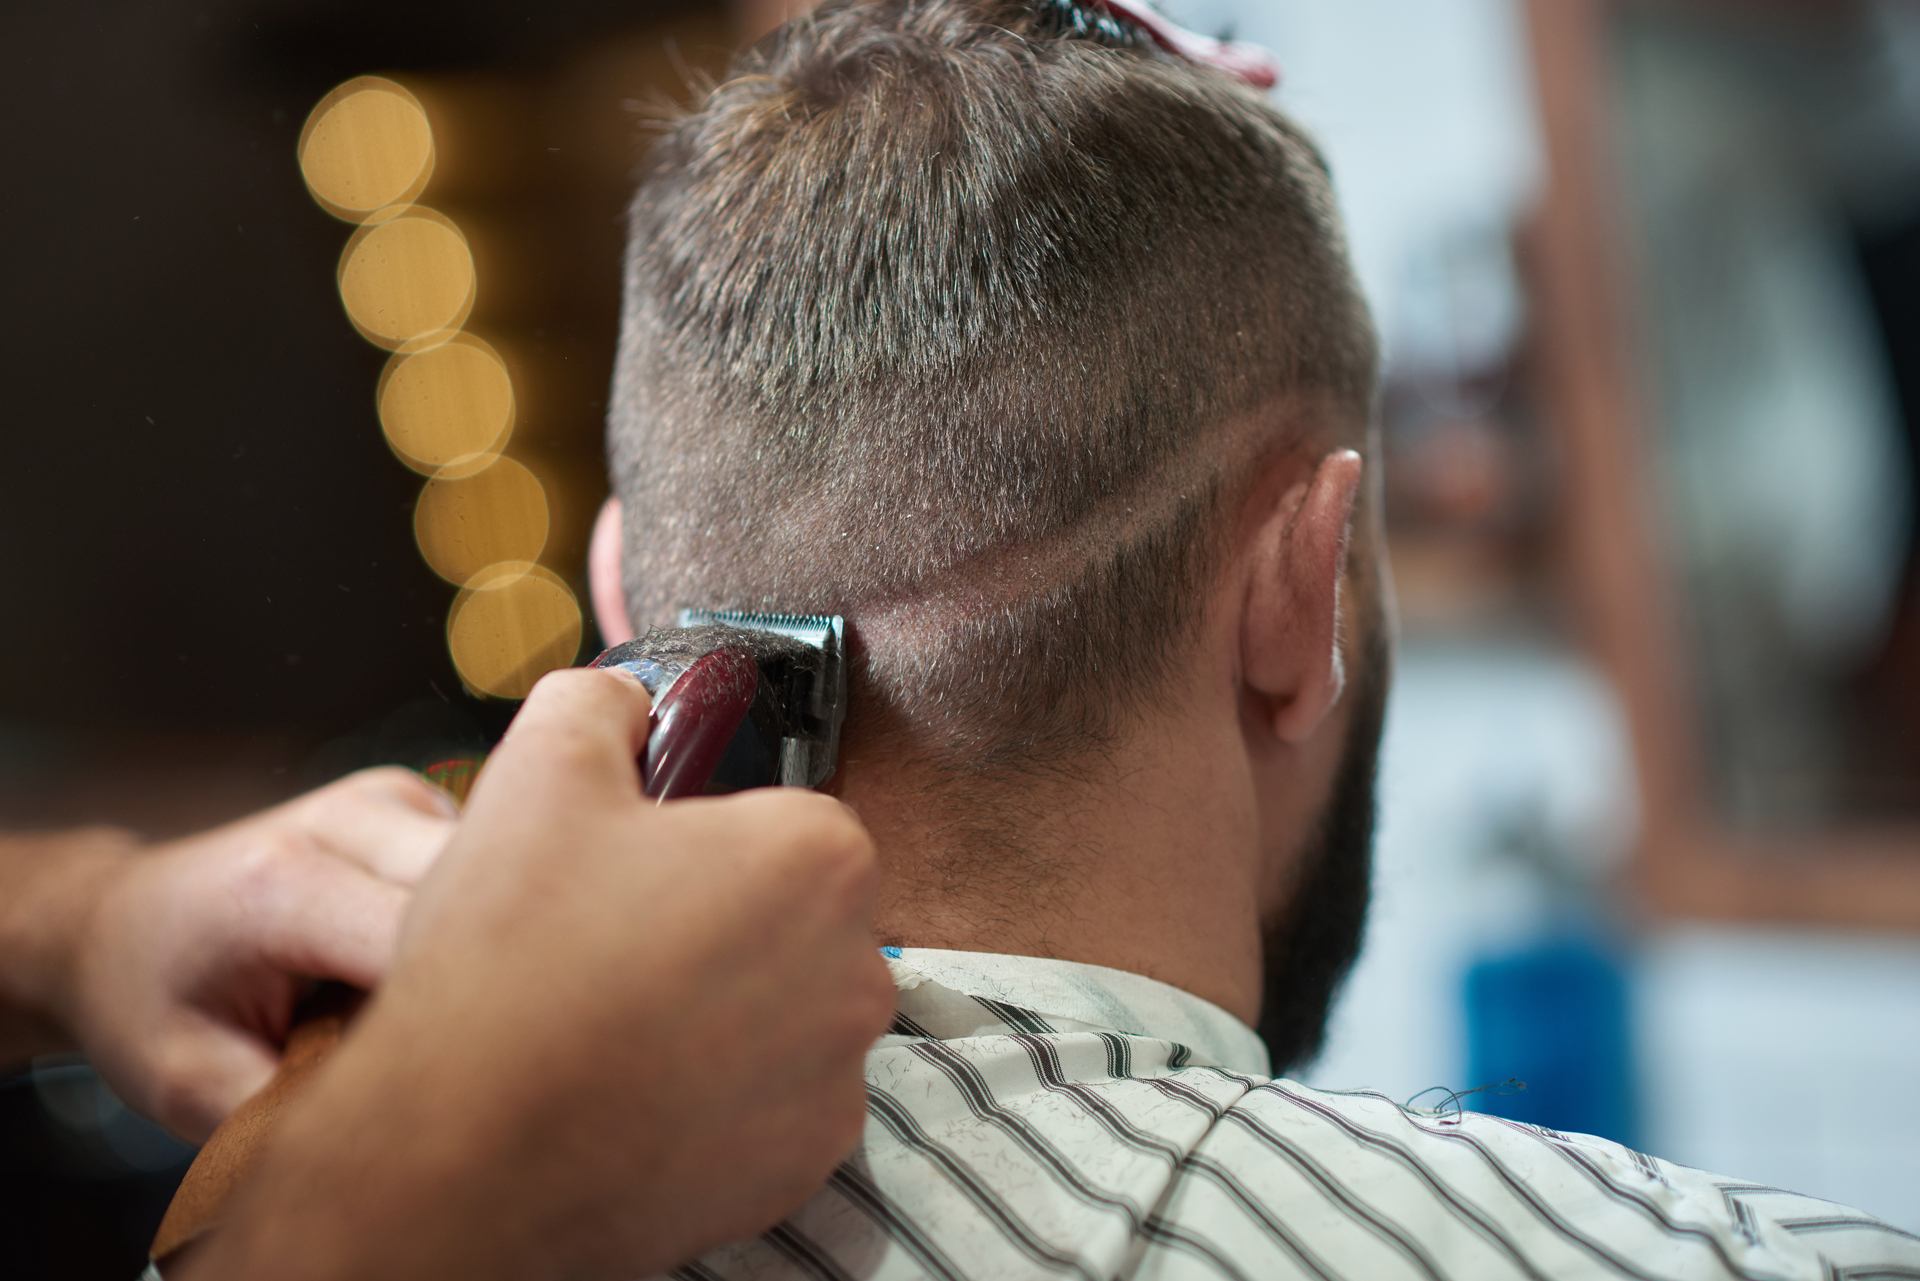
604, 583
1290, 637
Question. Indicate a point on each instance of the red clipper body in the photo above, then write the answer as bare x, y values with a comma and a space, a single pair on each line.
740, 700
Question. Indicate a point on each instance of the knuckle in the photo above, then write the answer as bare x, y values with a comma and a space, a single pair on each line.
825, 835
795, 842
268, 852
847, 867
173, 1090
381, 780
260, 868
348, 791
393, 783
767, 821
416, 793
351, 793
772, 807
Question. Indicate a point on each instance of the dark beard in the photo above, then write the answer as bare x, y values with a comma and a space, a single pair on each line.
1312, 944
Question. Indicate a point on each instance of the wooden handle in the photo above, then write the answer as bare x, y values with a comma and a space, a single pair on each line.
223, 1165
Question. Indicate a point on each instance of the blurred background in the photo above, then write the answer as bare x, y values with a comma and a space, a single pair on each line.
304, 447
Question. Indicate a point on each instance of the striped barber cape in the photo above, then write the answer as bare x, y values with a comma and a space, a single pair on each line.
1037, 1118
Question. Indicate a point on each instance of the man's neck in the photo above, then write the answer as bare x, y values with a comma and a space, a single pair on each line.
1150, 869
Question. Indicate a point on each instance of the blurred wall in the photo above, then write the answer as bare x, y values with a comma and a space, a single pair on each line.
1508, 791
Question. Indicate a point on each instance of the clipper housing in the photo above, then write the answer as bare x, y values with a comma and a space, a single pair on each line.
740, 700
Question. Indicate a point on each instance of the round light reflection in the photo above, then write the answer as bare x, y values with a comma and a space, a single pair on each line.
512, 625
446, 403
366, 146
477, 512
407, 279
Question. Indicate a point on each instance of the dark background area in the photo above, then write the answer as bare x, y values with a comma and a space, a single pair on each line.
211, 594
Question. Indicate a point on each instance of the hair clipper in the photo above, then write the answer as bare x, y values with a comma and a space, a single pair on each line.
740, 700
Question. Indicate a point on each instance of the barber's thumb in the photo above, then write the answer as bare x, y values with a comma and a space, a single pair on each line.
205, 1076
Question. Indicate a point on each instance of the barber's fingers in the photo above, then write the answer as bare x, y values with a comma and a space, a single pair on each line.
580, 728
794, 842
203, 1070
389, 821
323, 917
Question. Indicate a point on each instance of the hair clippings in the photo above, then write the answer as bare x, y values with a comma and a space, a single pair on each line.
1120, 23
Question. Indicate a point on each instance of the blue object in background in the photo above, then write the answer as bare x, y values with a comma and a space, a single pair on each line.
1556, 1014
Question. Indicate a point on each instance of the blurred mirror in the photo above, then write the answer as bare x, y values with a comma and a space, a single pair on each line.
1772, 198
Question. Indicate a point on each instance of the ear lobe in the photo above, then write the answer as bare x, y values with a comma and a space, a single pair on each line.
604, 583
1291, 634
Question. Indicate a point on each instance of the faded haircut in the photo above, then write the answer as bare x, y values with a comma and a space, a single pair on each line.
972, 331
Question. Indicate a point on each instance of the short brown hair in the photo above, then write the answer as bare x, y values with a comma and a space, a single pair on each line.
971, 330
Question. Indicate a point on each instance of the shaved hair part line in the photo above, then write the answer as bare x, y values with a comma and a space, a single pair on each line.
971, 332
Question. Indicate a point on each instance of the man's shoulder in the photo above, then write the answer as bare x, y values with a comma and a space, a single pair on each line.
1530, 1193
1275, 1178
1091, 1155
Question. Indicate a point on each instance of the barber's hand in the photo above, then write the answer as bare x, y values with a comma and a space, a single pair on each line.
188, 958
615, 1034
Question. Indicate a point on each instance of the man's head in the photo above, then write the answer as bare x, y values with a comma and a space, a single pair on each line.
1033, 357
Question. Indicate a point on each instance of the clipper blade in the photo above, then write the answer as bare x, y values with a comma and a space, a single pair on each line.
814, 692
